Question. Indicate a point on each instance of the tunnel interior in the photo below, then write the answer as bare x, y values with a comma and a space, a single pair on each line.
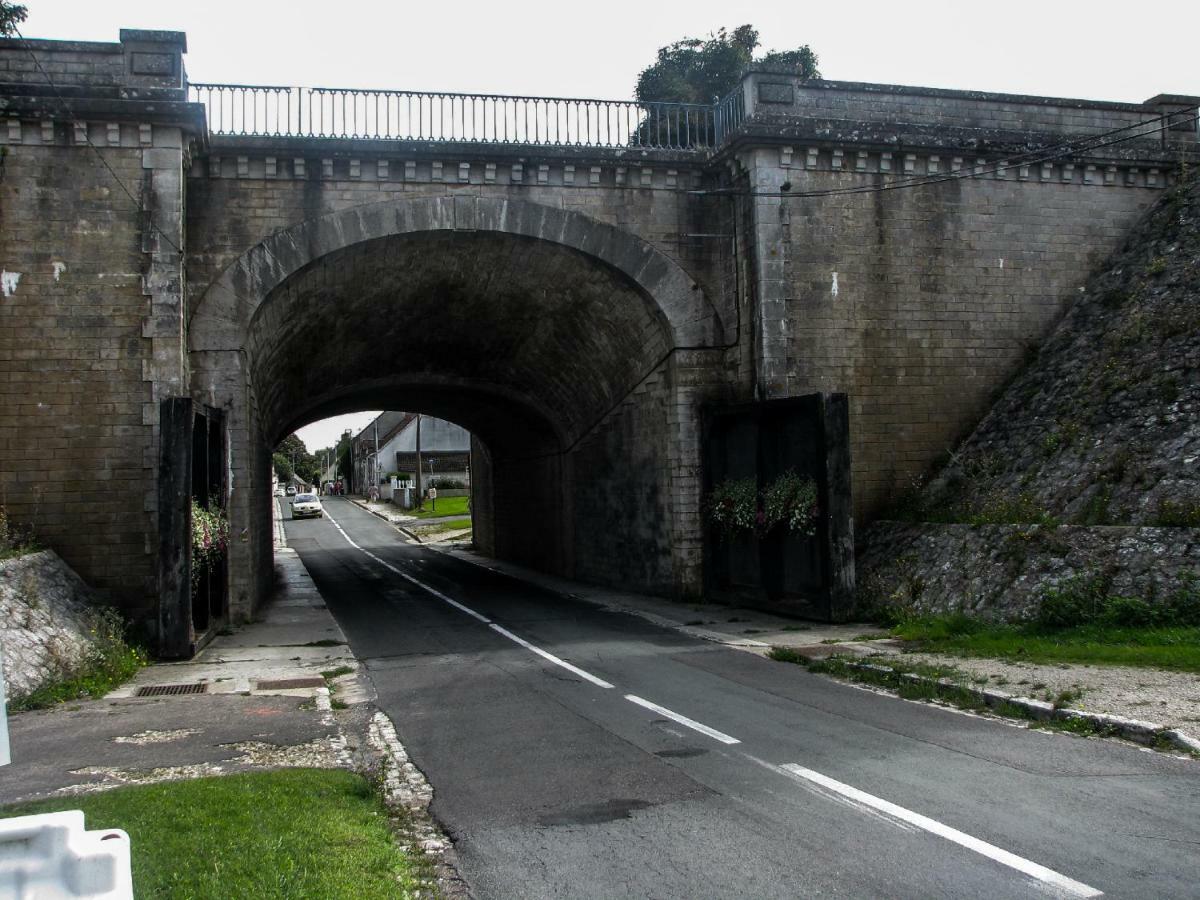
528, 344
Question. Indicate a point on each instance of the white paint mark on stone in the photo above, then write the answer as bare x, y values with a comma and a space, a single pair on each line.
1002, 263
9, 281
59, 268
833, 288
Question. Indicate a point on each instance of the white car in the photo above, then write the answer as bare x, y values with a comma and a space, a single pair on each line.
307, 506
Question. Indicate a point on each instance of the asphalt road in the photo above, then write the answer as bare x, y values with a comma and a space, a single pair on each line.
576, 752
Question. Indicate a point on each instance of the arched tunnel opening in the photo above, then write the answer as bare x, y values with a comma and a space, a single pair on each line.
532, 346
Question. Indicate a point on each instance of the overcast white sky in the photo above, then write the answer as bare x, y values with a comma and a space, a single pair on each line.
1102, 49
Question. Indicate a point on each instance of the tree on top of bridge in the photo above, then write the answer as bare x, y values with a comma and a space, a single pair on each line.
11, 15
699, 71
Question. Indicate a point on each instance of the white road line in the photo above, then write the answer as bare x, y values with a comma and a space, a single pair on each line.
1032, 869
683, 720
587, 676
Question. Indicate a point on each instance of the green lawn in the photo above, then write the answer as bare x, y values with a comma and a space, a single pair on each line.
446, 506
294, 833
1165, 648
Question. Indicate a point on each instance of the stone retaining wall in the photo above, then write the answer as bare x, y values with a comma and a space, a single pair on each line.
1000, 571
47, 614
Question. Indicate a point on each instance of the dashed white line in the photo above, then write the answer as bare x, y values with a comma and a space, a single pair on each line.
1032, 869
586, 676
683, 720
867, 802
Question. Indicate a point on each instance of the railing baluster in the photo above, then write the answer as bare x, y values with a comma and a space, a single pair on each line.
349, 113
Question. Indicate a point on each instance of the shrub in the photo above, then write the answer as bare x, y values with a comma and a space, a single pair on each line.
111, 661
1074, 601
1085, 600
447, 484
1177, 513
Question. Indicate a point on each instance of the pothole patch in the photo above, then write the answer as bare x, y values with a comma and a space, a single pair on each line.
143, 738
115, 777
319, 753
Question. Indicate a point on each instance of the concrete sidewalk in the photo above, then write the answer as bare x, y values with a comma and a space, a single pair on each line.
259, 701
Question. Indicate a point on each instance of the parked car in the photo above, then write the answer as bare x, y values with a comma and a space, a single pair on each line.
307, 506
291, 490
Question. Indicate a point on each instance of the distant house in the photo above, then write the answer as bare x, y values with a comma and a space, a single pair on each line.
445, 450
388, 446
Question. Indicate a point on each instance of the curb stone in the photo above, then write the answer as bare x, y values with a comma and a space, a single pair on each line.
1148, 734
405, 787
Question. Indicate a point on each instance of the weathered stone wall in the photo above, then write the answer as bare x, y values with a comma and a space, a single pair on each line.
89, 64
91, 330
78, 446
244, 191
1103, 426
1000, 571
47, 617
769, 96
918, 303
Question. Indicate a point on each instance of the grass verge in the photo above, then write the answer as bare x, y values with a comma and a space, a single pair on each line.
287, 833
1176, 648
442, 527
946, 684
446, 506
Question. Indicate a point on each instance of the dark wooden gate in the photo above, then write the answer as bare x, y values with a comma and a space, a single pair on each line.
192, 466
783, 571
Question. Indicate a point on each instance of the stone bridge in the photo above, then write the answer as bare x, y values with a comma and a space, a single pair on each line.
576, 282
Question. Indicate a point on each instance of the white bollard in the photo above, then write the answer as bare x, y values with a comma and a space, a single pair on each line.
53, 857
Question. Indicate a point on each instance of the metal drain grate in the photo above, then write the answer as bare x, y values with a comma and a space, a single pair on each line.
164, 690
280, 684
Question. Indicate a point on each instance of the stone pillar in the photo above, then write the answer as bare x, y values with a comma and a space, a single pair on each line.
772, 291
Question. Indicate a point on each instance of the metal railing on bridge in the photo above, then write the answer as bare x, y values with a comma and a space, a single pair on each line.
349, 113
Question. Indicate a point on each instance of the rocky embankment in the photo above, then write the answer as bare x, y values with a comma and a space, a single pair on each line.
50, 624
1089, 462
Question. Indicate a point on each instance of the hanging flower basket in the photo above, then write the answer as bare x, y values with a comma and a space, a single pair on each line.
736, 505
210, 541
732, 506
791, 501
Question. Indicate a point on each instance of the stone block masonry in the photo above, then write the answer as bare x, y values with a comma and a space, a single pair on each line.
574, 306
91, 325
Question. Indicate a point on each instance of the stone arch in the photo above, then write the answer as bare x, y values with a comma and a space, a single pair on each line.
587, 434
220, 319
